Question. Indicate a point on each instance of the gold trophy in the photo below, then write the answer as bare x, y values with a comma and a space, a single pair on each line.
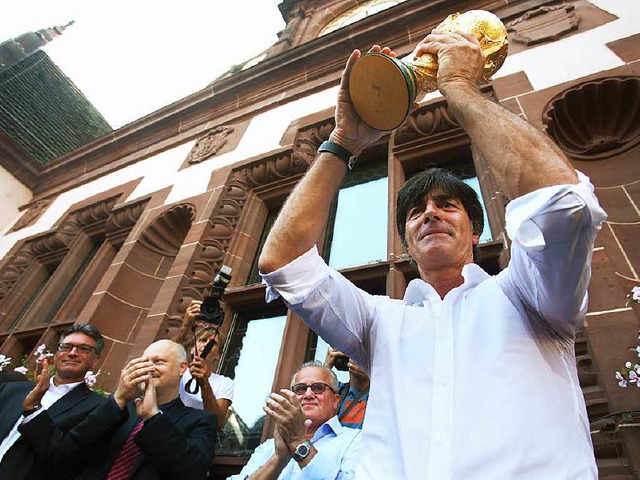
383, 89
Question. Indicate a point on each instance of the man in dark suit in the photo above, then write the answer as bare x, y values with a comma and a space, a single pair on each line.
65, 397
142, 432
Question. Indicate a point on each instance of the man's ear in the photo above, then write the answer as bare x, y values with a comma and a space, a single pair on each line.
183, 367
94, 363
475, 239
336, 401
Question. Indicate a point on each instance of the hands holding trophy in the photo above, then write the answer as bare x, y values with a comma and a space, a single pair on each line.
383, 89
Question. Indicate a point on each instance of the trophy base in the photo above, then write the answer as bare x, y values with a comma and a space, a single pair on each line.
382, 90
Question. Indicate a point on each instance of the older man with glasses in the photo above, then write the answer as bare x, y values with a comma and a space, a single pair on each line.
309, 441
64, 396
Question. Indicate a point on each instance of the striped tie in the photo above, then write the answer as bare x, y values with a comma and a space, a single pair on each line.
123, 466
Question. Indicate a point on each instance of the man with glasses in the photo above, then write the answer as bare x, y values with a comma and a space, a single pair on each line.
64, 396
309, 441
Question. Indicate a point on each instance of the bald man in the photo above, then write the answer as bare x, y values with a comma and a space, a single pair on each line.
143, 431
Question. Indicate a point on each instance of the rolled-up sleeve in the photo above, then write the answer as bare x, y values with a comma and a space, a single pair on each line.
553, 232
331, 305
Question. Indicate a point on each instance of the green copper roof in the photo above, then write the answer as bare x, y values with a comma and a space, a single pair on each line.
43, 112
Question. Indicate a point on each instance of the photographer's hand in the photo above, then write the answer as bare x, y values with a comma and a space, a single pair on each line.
191, 314
330, 359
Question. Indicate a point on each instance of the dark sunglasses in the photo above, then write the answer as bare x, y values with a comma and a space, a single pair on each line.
317, 388
82, 347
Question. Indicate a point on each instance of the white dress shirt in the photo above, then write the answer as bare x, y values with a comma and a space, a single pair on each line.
483, 383
222, 388
53, 394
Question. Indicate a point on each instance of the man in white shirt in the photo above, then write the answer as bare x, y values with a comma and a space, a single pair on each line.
65, 396
308, 442
214, 392
472, 376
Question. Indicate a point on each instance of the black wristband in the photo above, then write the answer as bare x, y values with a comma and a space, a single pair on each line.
339, 151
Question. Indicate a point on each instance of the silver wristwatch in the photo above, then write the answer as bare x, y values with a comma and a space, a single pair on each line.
302, 451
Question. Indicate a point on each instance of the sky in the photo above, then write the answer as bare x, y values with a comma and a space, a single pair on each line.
131, 58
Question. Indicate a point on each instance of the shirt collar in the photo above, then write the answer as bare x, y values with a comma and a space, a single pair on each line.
63, 387
332, 425
418, 290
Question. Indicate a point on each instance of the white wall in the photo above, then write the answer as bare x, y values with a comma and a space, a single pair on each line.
546, 65
13, 195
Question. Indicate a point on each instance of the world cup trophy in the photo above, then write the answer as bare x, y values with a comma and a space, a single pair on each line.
383, 89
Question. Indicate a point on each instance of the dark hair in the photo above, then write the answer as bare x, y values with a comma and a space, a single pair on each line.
89, 331
414, 190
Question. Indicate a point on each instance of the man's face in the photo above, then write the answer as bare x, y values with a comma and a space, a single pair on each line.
317, 407
167, 365
439, 233
71, 366
214, 354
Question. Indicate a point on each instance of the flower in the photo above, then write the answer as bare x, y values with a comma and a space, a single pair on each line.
630, 373
634, 295
4, 361
42, 353
22, 370
91, 378
622, 382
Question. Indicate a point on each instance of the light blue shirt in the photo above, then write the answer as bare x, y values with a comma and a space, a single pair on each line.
336, 457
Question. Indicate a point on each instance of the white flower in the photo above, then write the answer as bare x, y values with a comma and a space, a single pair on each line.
633, 376
622, 382
42, 353
628, 364
4, 361
638, 350
22, 370
635, 294
90, 378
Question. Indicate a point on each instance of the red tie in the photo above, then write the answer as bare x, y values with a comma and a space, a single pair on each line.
123, 466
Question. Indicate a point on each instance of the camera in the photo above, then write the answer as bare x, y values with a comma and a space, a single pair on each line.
210, 310
341, 363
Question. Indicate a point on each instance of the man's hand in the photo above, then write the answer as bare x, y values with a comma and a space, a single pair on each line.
330, 359
34, 397
147, 406
132, 379
286, 411
192, 313
350, 131
200, 370
460, 59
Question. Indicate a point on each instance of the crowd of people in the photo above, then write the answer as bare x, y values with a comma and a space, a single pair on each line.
469, 376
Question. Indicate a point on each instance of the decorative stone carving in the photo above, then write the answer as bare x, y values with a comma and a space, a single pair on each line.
596, 119
425, 121
210, 144
543, 24
122, 220
165, 234
33, 213
13, 271
308, 140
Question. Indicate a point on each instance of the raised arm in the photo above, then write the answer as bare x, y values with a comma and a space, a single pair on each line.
520, 156
304, 214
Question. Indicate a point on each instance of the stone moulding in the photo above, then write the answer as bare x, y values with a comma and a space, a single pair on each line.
597, 119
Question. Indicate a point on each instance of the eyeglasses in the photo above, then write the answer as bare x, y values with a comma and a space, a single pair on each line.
317, 388
81, 347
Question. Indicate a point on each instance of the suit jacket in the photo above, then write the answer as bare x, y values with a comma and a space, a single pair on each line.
25, 460
177, 444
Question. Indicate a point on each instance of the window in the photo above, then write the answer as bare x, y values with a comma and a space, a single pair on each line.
357, 230
250, 359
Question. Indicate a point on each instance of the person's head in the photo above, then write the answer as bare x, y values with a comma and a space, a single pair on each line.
170, 362
203, 337
321, 405
439, 218
78, 352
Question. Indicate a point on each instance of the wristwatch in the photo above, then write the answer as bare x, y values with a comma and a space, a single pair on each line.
302, 451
